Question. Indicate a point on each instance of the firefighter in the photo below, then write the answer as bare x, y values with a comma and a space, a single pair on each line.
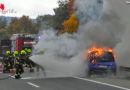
11, 59
18, 65
29, 52
26, 50
6, 62
16, 55
29, 62
23, 56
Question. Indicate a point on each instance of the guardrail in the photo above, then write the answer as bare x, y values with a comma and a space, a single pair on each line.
123, 68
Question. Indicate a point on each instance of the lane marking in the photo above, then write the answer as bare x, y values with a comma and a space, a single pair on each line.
26, 78
12, 76
102, 83
34, 85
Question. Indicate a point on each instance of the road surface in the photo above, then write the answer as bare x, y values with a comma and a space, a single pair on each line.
34, 81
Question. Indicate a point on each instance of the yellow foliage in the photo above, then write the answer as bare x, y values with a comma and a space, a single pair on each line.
70, 25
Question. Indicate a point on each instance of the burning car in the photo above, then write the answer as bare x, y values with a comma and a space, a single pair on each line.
101, 60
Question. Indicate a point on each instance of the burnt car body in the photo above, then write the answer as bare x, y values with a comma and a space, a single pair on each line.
101, 64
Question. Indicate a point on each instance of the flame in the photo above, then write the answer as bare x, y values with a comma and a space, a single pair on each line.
96, 52
93, 61
110, 50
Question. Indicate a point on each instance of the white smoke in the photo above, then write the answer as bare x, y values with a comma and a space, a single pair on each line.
61, 54
106, 31
112, 29
123, 11
88, 10
100, 25
59, 45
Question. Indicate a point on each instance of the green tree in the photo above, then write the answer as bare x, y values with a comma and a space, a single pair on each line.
55, 21
45, 21
61, 14
3, 23
4, 34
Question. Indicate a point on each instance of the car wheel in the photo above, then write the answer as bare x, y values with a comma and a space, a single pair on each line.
89, 73
114, 72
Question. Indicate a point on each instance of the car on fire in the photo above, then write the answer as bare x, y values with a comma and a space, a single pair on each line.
100, 64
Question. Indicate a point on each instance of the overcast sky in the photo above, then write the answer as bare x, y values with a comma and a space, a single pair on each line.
32, 8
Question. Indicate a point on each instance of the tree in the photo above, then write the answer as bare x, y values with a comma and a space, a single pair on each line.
70, 5
70, 25
45, 21
55, 21
3, 23
61, 14
12, 28
22, 25
4, 34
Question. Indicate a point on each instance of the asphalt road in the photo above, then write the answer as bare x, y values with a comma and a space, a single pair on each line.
31, 82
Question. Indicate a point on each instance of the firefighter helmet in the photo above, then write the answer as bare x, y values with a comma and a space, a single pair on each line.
22, 52
25, 49
29, 50
7, 52
15, 52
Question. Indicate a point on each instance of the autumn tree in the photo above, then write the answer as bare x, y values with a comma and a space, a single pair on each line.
12, 28
22, 25
61, 14
70, 5
70, 25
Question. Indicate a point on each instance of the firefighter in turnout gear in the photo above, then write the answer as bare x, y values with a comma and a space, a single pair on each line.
6, 62
28, 61
11, 59
23, 56
18, 65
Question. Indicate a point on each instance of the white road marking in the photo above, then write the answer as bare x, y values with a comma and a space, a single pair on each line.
25, 78
34, 85
123, 88
12, 76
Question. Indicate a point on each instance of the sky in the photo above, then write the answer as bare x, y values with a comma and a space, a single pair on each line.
31, 8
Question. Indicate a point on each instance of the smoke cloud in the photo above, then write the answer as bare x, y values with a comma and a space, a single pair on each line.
106, 31
61, 54
103, 23
88, 10
123, 11
59, 45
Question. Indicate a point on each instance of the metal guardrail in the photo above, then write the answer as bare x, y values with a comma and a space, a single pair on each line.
122, 68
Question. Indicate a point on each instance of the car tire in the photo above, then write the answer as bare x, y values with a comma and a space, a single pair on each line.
114, 72
89, 73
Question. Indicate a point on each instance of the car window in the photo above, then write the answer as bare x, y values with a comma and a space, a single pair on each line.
106, 57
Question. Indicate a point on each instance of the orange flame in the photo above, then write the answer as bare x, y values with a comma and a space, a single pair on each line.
96, 51
110, 50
